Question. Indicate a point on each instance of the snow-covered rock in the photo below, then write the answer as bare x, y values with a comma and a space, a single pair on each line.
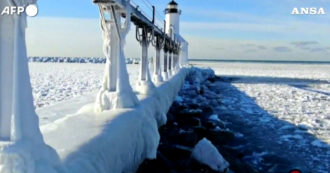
215, 117
206, 153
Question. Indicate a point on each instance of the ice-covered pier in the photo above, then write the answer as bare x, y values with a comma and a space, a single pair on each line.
117, 131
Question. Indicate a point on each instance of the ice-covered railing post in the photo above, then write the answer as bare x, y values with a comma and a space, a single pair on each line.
116, 91
183, 60
170, 57
22, 148
170, 54
177, 56
158, 42
165, 65
144, 35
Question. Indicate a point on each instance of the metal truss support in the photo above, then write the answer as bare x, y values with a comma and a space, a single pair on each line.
116, 91
144, 35
177, 51
158, 42
170, 61
165, 65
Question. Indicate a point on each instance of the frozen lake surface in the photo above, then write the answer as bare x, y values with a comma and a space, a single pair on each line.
56, 82
283, 109
297, 93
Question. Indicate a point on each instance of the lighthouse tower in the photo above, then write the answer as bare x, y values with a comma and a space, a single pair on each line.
172, 15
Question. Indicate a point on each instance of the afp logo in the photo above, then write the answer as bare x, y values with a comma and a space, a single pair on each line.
30, 10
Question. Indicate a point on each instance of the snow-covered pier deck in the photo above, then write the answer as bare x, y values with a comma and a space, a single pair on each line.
117, 131
115, 140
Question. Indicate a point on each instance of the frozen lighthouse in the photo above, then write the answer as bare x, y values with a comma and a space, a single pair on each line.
176, 56
172, 29
172, 17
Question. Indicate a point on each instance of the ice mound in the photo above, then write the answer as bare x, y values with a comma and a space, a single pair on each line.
206, 153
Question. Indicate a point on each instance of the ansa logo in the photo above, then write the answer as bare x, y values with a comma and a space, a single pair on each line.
308, 11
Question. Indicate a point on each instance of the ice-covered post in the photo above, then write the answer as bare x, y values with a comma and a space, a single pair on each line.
171, 52
116, 91
183, 54
165, 65
144, 35
170, 58
158, 43
174, 59
22, 149
177, 57
174, 62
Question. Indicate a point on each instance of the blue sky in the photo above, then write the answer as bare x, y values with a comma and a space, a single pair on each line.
219, 29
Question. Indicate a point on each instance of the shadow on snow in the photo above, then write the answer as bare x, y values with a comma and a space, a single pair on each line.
272, 144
